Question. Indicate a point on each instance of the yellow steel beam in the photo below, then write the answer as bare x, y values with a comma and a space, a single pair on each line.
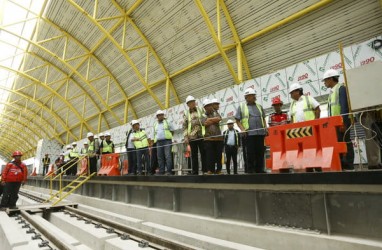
216, 40
32, 117
11, 145
19, 135
90, 52
41, 105
289, 19
27, 125
10, 107
51, 90
121, 50
244, 40
236, 38
155, 54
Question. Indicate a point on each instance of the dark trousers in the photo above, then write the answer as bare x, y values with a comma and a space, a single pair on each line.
132, 159
10, 195
347, 160
154, 159
214, 151
255, 153
143, 160
93, 164
231, 153
45, 169
244, 148
195, 146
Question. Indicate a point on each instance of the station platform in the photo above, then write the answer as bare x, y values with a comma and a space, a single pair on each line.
330, 203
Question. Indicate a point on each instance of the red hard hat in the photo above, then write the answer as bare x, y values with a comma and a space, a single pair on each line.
276, 100
17, 153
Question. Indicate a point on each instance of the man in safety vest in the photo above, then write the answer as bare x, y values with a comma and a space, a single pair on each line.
163, 131
232, 141
66, 158
131, 153
74, 155
92, 152
14, 174
338, 105
250, 118
107, 145
279, 117
213, 140
303, 107
141, 145
193, 132
45, 164
100, 139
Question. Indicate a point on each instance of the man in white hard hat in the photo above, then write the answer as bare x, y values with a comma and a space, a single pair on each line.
141, 145
215, 104
250, 118
92, 152
303, 107
213, 141
163, 132
232, 141
74, 155
107, 146
338, 105
193, 132
130, 150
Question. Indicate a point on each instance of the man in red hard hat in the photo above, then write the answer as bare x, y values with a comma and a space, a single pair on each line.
279, 117
14, 174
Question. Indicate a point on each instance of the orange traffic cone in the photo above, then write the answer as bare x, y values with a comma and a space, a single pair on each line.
34, 172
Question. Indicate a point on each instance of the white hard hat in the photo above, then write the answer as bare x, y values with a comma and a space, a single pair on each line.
96, 137
107, 134
330, 73
249, 91
294, 86
134, 122
160, 112
74, 143
86, 143
89, 134
206, 102
67, 147
229, 121
189, 99
101, 135
214, 100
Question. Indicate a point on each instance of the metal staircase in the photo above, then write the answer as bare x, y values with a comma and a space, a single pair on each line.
63, 192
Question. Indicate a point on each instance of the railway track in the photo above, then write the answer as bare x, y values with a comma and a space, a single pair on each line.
69, 213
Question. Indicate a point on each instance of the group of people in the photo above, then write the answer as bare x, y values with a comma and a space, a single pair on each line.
202, 131
201, 128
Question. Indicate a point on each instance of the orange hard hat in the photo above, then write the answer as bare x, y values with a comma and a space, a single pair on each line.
17, 153
276, 101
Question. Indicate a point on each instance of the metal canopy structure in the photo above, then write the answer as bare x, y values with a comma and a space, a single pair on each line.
77, 65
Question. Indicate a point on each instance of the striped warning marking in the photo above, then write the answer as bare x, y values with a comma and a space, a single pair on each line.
299, 132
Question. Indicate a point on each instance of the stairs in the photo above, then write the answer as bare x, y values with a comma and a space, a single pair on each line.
64, 192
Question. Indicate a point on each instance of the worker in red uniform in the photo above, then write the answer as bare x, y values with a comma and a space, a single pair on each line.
279, 117
14, 174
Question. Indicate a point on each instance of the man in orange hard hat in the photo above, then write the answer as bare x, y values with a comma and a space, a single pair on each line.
279, 117
14, 174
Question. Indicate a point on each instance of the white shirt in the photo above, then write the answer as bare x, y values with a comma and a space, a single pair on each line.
130, 143
299, 116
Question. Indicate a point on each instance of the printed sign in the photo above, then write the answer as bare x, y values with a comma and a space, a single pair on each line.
333, 61
363, 53
302, 72
274, 82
